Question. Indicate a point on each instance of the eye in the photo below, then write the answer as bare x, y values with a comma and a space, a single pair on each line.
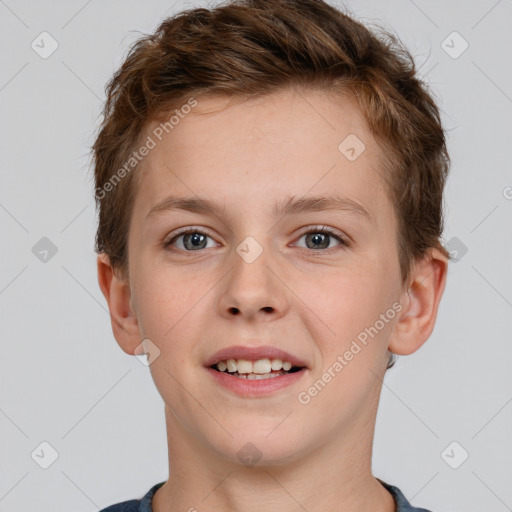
191, 239
320, 238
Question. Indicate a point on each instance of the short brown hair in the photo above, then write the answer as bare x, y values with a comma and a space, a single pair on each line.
249, 48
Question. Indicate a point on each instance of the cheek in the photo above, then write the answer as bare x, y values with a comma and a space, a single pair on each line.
341, 307
163, 300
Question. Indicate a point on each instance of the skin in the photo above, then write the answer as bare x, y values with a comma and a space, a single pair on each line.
312, 302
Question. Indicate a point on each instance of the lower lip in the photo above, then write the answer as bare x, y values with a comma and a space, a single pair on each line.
254, 388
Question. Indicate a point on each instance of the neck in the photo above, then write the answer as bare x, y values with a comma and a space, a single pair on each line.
334, 475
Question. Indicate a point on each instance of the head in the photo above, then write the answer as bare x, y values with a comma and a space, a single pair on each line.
249, 105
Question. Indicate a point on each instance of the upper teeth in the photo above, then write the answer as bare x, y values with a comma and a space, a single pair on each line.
260, 366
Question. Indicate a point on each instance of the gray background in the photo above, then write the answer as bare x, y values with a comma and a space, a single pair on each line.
65, 381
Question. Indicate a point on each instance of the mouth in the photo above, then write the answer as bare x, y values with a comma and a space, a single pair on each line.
255, 371
260, 369
256, 378
255, 362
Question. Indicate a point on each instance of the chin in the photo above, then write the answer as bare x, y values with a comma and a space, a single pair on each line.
256, 448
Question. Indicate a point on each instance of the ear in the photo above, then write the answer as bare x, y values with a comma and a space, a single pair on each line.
118, 294
421, 301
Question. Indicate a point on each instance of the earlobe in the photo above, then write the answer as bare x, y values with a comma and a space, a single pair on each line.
118, 295
421, 301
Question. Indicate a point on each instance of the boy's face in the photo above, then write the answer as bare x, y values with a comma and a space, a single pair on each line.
305, 293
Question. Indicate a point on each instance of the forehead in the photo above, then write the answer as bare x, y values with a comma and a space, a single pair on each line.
289, 143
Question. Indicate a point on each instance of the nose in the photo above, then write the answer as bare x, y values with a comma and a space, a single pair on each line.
253, 290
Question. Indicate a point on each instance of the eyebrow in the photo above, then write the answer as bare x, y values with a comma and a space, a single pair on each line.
290, 206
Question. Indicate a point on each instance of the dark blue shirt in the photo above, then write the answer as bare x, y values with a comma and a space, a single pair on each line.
144, 504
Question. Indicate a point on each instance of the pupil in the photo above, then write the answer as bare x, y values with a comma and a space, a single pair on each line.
195, 238
318, 237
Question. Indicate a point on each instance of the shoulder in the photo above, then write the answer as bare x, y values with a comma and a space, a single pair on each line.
125, 506
402, 504
135, 505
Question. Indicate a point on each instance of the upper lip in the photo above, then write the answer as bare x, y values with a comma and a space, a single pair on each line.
253, 354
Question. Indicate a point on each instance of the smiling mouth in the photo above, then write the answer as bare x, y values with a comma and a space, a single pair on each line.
257, 376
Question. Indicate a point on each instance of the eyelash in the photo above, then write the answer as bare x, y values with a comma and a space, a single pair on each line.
315, 229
